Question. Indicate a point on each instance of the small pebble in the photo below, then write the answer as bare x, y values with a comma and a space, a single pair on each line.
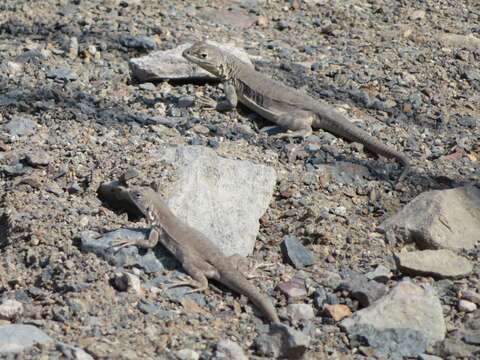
337, 312
187, 354
10, 309
466, 306
300, 312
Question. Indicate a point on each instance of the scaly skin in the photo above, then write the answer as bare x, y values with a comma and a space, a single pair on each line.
292, 109
200, 257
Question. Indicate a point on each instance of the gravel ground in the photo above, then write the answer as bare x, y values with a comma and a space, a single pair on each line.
393, 67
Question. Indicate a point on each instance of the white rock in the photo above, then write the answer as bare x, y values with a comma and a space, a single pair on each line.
170, 64
222, 198
10, 309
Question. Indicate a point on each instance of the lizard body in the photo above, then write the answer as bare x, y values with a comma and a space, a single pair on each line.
287, 107
199, 256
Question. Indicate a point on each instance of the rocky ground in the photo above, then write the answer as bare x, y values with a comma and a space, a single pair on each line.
72, 118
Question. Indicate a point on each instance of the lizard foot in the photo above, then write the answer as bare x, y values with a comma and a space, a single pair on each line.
248, 267
206, 103
119, 244
303, 133
197, 287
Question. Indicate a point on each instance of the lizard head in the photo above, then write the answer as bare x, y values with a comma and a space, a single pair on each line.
207, 56
142, 198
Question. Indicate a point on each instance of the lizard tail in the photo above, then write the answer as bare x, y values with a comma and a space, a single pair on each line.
242, 286
337, 124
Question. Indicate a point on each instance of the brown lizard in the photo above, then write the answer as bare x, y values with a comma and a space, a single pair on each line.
199, 256
289, 108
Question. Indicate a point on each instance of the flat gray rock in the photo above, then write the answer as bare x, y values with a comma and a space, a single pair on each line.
15, 338
403, 322
150, 261
170, 64
21, 126
282, 341
222, 198
440, 264
439, 219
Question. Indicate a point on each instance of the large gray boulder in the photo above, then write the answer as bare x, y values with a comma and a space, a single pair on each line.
439, 219
402, 323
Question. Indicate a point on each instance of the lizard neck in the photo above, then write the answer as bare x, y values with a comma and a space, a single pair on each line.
228, 69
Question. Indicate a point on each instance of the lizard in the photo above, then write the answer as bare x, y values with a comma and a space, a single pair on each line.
199, 256
287, 107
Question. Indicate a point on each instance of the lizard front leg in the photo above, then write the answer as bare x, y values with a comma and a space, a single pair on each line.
148, 243
230, 102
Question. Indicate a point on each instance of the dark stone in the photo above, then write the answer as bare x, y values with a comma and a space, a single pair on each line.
138, 42
467, 121
186, 101
361, 288
320, 297
62, 73
282, 25
282, 341
296, 253
126, 256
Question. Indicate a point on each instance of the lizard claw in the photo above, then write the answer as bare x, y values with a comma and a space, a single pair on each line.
206, 103
197, 287
119, 244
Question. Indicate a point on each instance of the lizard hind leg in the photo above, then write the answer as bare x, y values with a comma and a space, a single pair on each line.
298, 123
200, 271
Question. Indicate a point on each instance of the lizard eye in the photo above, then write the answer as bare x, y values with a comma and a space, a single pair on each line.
204, 55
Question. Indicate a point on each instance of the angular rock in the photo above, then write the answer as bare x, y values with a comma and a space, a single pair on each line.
300, 312
222, 198
293, 288
62, 73
466, 306
471, 296
72, 352
20, 126
170, 64
457, 349
440, 264
469, 41
38, 158
439, 219
150, 261
10, 309
361, 288
402, 323
337, 311
15, 338
296, 253
138, 42
229, 350
381, 274
282, 341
